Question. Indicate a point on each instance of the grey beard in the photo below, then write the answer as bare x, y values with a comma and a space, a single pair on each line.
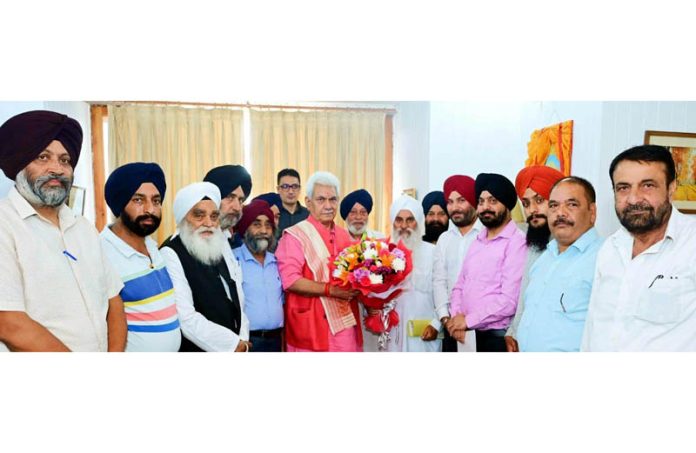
410, 241
357, 231
207, 251
257, 246
229, 221
37, 195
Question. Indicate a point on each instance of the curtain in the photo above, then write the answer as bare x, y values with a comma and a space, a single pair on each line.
185, 142
349, 144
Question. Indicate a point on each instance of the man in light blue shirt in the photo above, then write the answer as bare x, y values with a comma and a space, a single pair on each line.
263, 290
560, 282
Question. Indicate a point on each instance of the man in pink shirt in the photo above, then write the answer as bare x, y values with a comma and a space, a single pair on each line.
318, 316
488, 287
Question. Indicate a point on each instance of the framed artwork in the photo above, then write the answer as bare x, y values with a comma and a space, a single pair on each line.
682, 145
76, 200
552, 146
411, 192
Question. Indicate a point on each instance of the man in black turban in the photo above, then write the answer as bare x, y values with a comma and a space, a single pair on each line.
497, 198
234, 183
436, 218
57, 290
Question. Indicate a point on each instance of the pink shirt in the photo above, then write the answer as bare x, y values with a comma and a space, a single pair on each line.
488, 286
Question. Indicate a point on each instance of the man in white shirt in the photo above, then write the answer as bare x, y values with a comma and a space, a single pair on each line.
58, 291
207, 278
415, 304
644, 291
451, 249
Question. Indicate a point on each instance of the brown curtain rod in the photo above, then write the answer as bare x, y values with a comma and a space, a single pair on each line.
259, 106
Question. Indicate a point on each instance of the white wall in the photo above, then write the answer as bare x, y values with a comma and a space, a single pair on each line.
80, 112
411, 144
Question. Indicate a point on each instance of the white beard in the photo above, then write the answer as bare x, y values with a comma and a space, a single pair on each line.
207, 250
410, 240
356, 231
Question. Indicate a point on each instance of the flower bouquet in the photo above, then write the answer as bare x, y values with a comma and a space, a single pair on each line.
374, 267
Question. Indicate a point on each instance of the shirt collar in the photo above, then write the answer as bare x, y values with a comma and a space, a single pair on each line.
66, 216
320, 225
298, 209
507, 232
581, 243
123, 247
454, 229
247, 256
675, 225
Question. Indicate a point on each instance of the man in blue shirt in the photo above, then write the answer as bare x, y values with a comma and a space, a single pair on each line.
263, 291
560, 281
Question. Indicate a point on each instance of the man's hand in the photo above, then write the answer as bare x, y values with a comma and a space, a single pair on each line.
459, 335
429, 334
511, 344
340, 293
456, 323
243, 346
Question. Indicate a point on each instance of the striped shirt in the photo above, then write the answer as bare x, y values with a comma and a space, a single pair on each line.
148, 295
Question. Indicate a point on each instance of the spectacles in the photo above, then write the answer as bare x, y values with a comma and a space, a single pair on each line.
289, 186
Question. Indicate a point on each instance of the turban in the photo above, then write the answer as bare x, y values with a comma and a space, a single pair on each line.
434, 198
462, 184
250, 212
125, 180
499, 186
188, 196
410, 204
23, 137
361, 196
539, 178
272, 198
229, 177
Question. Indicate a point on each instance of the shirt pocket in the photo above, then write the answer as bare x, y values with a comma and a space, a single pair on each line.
663, 301
573, 302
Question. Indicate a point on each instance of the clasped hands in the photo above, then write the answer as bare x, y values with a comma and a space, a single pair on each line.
456, 326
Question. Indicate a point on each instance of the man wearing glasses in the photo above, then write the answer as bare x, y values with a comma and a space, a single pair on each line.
291, 211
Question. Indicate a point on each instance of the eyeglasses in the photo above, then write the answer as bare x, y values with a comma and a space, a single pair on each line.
289, 186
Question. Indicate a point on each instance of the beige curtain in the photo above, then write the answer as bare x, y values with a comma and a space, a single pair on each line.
185, 142
349, 144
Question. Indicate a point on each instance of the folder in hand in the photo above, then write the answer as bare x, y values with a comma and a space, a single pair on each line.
416, 327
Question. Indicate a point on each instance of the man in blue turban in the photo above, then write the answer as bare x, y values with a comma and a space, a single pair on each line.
135, 192
355, 210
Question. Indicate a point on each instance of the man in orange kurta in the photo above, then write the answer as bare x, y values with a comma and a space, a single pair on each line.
318, 316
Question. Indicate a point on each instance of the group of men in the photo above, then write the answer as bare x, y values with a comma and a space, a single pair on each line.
255, 277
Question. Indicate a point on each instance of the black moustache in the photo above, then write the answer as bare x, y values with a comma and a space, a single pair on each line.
563, 222
488, 212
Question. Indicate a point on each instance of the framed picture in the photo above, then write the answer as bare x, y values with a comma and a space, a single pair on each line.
411, 192
682, 145
76, 200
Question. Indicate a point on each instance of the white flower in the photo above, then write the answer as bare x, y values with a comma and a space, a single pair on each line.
376, 279
337, 273
398, 264
370, 254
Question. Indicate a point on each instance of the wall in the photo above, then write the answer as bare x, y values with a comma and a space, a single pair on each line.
411, 143
76, 110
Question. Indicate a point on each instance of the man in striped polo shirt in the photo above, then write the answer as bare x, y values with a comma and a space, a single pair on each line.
135, 192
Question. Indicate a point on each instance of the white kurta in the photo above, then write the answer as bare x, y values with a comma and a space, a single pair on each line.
416, 302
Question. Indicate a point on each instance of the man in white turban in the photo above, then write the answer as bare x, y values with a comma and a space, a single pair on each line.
207, 278
419, 327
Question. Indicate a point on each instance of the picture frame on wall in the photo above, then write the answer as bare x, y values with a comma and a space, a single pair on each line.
682, 146
76, 200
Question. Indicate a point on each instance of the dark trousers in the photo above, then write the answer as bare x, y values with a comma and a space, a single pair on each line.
490, 341
449, 344
265, 340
